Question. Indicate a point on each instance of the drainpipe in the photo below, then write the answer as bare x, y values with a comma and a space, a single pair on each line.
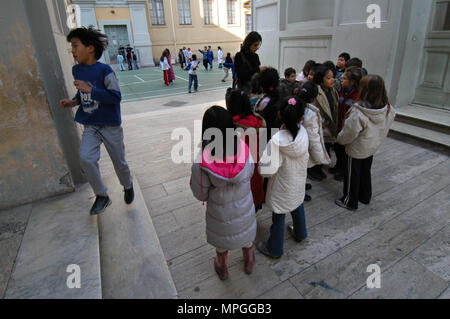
173, 29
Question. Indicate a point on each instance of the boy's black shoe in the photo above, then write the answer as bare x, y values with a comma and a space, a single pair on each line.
308, 187
129, 195
100, 204
314, 175
340, 203
290, 228
262, 247
333, 170
307, 198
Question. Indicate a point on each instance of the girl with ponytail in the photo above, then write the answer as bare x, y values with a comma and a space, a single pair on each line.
285, 161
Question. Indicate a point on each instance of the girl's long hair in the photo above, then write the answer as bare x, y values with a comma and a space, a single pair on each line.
270, 81
372, 91
291, 111
251, 38
163, 55
238, 103
355, 74
219, 118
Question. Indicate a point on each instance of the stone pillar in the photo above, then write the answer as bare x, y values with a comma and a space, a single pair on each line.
141, 36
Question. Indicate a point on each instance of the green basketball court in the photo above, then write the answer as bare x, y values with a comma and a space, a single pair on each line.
148, 83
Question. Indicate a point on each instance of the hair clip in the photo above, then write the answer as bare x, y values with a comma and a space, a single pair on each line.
292, 101
242, 92
304, 90
270, 89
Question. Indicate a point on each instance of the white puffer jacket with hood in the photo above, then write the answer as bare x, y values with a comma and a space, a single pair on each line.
285, 161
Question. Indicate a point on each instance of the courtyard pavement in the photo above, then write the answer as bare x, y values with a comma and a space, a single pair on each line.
405, 230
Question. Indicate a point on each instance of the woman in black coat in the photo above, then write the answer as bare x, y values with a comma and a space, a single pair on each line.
246, 62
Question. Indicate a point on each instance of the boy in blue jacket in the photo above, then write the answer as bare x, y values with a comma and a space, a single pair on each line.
99, 112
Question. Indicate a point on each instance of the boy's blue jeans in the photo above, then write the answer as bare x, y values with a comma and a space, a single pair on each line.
136, 65
193, 78
275, 244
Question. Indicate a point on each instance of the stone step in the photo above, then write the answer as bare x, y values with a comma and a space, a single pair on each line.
426, 117
424, 134
60, 232
132, 261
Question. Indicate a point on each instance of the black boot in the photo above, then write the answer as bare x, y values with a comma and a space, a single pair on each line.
100, 204
129, 195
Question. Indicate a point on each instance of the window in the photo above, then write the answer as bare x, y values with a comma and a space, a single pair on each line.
157, 12
184, 11
442, 16
208, 11
231, 11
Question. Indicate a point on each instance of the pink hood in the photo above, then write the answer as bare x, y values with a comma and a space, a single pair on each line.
228, 168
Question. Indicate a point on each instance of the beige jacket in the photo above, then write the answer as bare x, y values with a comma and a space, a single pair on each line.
318, 154
329, 122
365, 129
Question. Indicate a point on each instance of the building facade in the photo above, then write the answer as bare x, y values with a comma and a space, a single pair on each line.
150, 26
405, 41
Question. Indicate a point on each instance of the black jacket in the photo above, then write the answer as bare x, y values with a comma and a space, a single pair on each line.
246, 64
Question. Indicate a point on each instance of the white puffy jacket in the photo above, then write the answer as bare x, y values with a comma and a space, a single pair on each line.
365, 129
285, 161
318, 154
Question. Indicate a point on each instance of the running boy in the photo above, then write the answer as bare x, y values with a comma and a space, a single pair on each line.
99, 112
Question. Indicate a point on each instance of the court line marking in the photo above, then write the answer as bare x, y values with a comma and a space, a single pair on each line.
139, 78
140, 82
165, 95
165, 89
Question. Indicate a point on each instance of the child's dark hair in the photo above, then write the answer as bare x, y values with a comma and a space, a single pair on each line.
309, 65
331, 66
320, 72
238, 103
219, 118
308, 92
255, 83
228, 55
345, 55
354, 62
194, 57
163, 55
251, 38
90, 36
291, 111
289, 71
270, 81
354, 74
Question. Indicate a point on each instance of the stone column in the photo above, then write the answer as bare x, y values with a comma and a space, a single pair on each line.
141, 35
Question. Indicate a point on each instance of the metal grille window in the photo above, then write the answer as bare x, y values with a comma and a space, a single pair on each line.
184, 11
231, 11
157, 12
208, 11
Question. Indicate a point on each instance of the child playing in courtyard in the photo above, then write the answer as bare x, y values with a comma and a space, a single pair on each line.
193, 66
286, 189
221, 177
366, 127
99, 112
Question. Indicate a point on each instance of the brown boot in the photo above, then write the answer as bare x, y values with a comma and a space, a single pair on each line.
249, 259
220, 265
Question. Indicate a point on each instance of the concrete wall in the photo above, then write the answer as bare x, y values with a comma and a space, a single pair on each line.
325, 29
33, 164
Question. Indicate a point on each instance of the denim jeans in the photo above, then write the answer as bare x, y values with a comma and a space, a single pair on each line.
136, 65
275, 244
193, 78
